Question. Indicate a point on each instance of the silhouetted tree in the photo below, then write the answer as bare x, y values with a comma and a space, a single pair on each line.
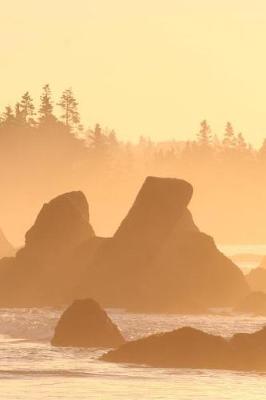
229, 140
46, 106
8, 117
98, 141
204, 136
25, 109
69, 105
241, 143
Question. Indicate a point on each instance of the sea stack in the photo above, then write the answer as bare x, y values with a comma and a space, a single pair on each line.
86, 324
41, 274
159, 261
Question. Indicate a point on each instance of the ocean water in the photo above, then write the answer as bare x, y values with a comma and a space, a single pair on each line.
31, 369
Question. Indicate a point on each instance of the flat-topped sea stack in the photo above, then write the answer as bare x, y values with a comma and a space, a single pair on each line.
159, 261
41, 273
191, 348
86, 324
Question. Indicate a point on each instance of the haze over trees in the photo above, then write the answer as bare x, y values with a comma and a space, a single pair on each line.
45, 150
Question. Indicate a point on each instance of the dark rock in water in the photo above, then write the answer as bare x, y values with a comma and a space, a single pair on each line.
6, 249
159, 261
192, 348
86, 324
254, 303
256, 279
250, 350
182, 348
41, 273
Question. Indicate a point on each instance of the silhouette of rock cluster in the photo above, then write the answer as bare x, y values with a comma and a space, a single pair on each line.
191, 348
86, 324
157, 261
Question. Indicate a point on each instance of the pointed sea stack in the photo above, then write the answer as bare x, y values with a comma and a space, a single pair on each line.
86, 324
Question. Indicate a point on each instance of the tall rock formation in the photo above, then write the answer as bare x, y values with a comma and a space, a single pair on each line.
41, 274
158, 260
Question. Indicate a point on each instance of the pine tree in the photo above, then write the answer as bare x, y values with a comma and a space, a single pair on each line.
8, 116
46, 107
69, 106
98, 140
26, 109
241, 143
229, 140
204, 136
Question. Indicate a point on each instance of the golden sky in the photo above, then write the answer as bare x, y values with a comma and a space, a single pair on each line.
152, 67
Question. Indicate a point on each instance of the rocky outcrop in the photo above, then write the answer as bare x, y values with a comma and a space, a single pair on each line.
6, 249
254, 303
86, 324
182, 348
61, 226
44, 271
159, 261
250, 350
192, 348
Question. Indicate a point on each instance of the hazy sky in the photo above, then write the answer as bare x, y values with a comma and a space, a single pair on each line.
152, 67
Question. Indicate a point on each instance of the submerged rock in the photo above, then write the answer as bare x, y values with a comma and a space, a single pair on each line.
86, 324
254, 303
192, 348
